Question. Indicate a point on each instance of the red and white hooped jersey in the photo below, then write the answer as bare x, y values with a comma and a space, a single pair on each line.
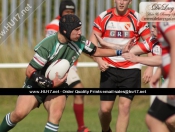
163, 28
119, 30
52, 28
152, 45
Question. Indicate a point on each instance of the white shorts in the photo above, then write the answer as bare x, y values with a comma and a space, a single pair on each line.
73, 78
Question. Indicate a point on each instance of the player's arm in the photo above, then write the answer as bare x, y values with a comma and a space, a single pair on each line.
170, 37
149, 70
150, 61
156, 77
96, 51
124, 48
140, 49
101, 52
44, 82
94, 40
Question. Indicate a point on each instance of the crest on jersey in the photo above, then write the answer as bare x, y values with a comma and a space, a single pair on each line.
127, 26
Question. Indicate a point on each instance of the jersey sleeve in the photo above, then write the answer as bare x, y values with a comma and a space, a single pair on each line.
52, 27
41, 55
89, 47
157, 50
144, 29
152, 45
99, 22
145, 45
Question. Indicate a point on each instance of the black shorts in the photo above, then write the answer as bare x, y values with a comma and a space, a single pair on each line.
161, 110
41, 98
119, 78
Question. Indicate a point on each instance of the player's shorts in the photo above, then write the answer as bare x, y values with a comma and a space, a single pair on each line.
119, 78
161, 110
41, 98
73, 78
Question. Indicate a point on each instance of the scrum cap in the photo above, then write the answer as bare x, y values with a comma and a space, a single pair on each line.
66, 4
68, 23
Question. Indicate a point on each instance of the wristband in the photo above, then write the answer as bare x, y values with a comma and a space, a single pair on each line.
118, 52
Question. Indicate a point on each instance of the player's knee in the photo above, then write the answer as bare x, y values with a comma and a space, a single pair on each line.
170, 122
124, 108
105, 110
17, 115
79, 97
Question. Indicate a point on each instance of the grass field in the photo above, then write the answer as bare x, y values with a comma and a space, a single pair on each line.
36, 120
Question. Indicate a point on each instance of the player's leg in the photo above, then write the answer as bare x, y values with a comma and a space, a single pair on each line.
128, 79
158, 113
155, 125
170, 122
107, 80
104, 114
25, 103
123, 114
74, 81
54, 104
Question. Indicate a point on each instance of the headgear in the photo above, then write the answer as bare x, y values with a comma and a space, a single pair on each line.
66, 4
68, 23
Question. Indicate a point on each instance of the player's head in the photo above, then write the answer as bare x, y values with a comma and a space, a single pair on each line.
122, 6
66, 7
154, 29
70, 26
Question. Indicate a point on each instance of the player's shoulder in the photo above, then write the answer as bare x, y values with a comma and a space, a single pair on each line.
47, 42
106, 12
54, 21
133, 13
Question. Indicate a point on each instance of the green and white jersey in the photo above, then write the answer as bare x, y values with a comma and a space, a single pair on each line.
51, 49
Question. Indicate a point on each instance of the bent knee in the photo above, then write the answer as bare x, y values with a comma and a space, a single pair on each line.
17, 115
171, 122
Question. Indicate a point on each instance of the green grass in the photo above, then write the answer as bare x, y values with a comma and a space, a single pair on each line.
36, 120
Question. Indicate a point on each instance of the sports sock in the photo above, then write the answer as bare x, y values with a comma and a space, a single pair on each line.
50, 127
108, 130
79, 114
6, 124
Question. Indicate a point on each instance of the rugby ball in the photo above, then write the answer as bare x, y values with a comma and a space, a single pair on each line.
61, 66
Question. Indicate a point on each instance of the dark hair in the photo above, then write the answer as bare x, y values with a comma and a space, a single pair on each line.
68, 23
66, 4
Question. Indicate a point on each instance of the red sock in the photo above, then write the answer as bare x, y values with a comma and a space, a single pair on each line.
79, 114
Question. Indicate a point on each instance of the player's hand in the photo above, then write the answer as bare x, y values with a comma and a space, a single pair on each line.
171, 97
103, 65
154, 81
128, 46
148, 73
57, 81
130, 57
